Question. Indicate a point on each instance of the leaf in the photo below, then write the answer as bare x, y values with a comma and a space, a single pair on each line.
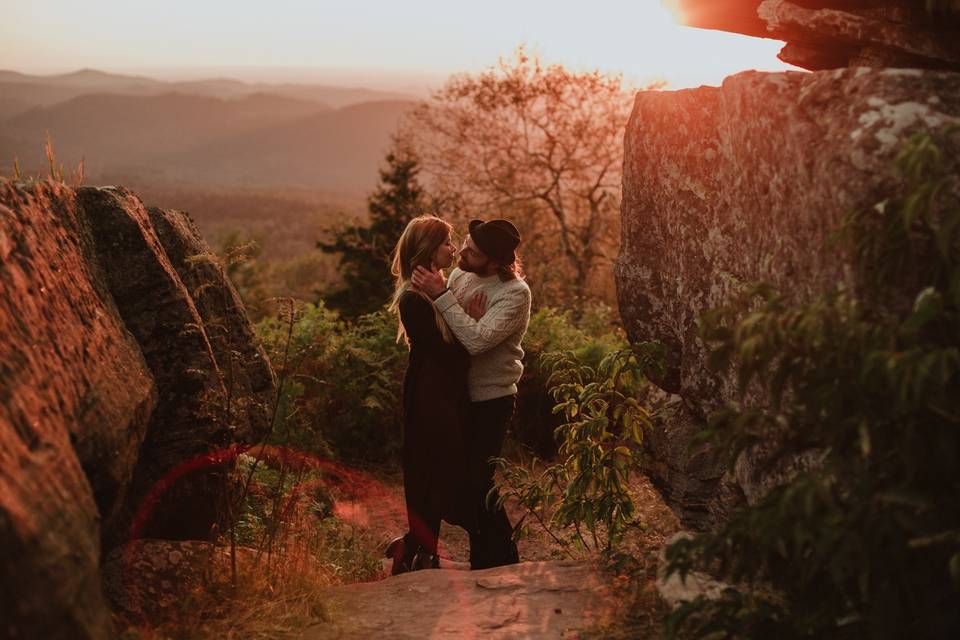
947, 234
927, 306
864, 431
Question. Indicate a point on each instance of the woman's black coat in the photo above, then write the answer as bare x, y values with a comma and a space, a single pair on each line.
435, 400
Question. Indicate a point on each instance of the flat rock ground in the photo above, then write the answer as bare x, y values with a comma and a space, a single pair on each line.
551, 593
555, 591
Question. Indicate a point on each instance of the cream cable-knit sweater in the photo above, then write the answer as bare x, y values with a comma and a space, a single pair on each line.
494, 340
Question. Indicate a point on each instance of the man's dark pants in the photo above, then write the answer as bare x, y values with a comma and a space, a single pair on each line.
491, 544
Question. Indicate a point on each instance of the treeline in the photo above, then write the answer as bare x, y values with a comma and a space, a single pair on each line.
541, 146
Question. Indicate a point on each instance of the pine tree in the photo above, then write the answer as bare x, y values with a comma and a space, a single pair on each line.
365, 251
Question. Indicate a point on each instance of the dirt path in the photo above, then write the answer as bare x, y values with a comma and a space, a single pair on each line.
378, 509
551, 593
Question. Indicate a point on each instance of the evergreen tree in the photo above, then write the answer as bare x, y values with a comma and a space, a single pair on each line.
365, 251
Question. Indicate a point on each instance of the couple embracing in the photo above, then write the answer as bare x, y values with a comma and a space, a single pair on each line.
464, 335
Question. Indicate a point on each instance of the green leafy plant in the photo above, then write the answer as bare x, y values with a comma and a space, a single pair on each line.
864, 540
600, 445
589, 338
345, 384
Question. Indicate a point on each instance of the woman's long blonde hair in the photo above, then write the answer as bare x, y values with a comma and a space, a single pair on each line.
423, 235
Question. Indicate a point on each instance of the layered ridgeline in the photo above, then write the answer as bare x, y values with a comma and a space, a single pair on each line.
205, 133
125, 352
748, 182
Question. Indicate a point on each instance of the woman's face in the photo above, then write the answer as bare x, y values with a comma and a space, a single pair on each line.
443, 256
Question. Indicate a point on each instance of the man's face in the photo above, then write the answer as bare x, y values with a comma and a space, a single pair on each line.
471, 258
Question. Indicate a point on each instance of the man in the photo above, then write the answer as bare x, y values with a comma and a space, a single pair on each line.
488, 277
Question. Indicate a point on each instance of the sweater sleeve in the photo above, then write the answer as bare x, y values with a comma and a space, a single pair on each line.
505, 315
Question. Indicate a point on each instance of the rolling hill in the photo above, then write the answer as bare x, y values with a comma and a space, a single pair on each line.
125, 128
174, 138
339, 149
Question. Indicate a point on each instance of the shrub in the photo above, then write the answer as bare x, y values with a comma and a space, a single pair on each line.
344, 390
866, 543
289, 513
600, 445
589, 340
345, 383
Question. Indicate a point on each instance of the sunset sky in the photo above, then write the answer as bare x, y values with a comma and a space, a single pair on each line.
324, 39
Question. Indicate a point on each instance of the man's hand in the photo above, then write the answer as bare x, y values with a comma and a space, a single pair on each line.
430, 282
477, 305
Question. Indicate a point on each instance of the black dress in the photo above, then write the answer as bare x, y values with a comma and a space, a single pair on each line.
435, 400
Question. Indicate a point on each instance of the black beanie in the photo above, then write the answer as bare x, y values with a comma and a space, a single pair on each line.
497, 238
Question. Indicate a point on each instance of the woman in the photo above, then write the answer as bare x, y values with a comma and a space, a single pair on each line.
434, 402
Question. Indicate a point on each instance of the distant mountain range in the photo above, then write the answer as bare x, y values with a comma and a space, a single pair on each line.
208, 132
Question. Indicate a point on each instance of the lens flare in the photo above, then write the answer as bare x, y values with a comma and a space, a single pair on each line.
673, 7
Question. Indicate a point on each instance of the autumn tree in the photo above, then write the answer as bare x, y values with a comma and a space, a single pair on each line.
365, 249
540, 145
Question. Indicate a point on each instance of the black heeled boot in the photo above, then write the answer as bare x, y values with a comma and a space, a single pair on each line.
403, 555
425, 560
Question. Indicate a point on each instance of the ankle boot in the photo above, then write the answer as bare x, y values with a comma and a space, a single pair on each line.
402, 555
425, 560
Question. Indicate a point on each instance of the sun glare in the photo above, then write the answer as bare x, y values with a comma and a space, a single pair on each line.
673, 7
642, 39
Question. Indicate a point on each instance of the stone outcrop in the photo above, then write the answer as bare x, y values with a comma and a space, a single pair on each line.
742, 183
828, 34
528, 600
247, 376
159, 311
675, 589
108, 388
75, 399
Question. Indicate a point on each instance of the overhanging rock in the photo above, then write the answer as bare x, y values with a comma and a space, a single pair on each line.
828, 34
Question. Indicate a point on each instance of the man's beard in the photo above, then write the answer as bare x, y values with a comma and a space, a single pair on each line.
466, 266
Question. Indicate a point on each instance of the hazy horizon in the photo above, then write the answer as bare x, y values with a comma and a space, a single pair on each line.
394, 80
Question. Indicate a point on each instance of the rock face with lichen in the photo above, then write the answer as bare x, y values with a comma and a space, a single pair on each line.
111, 380
828, 34
744, 183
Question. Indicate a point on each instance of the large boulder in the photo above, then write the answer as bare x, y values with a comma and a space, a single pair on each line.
247, 376
743, 183
75, 399
827, 34
165, 500
113, 397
